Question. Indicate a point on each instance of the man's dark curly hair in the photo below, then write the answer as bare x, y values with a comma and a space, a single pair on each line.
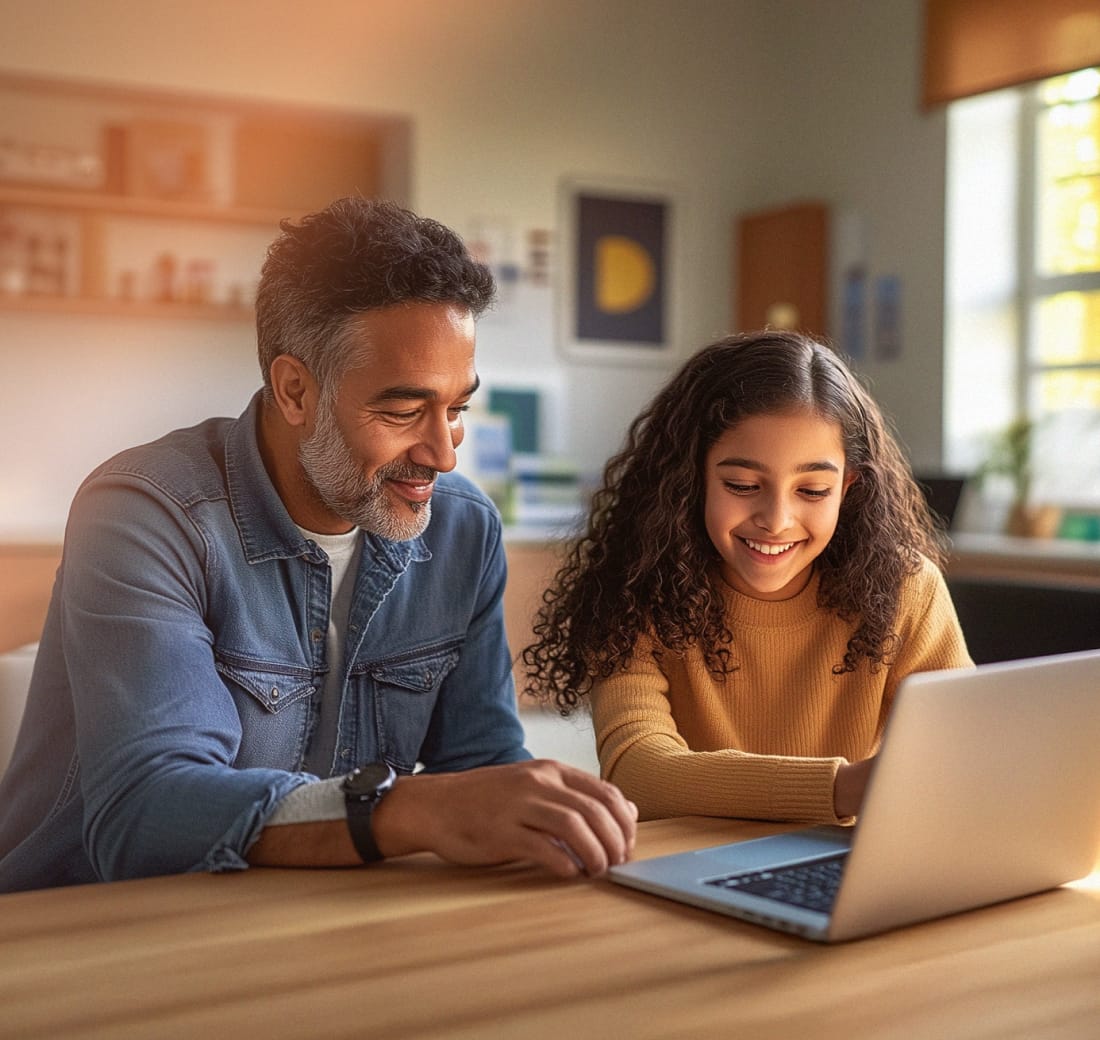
645, 563
355, 255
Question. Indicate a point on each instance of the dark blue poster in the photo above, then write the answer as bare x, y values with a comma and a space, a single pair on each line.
621, 270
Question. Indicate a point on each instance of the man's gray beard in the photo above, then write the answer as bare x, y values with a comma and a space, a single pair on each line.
339, 482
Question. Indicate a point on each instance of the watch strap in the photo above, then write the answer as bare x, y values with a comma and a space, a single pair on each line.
364, 788
360, 814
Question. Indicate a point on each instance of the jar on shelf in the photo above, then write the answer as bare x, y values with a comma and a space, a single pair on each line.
13, 268
164, 288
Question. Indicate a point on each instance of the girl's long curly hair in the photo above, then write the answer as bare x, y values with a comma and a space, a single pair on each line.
645, 562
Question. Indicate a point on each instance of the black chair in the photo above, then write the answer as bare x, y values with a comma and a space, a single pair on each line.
942, 492
1005, 620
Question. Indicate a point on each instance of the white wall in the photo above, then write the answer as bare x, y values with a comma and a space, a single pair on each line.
738, 103
844, 124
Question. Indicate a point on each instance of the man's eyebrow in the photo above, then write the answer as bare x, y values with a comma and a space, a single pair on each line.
818, 466
419, 393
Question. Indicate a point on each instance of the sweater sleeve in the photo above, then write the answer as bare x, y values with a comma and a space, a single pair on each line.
642, 751
931, 637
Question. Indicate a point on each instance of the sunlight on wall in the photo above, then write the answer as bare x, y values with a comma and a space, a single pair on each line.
99, 388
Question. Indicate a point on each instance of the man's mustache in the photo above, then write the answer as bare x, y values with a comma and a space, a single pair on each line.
413, 474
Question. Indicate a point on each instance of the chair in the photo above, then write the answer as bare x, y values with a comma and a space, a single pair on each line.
1005, 620
943, 492
15, 679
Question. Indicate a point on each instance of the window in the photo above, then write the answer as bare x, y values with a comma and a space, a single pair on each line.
1023, 280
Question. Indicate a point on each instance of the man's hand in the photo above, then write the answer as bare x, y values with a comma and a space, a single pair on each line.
849, 786
545, 812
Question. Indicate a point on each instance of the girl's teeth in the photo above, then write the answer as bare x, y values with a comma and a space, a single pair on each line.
768, 550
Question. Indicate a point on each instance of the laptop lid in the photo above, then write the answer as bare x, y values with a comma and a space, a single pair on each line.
987, 788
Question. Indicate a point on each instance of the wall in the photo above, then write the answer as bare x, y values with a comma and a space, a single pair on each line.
740, 104
844, 125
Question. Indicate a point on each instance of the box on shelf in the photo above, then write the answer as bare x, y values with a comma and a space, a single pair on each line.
546, 490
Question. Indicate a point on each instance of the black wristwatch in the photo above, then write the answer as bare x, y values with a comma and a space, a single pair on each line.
364, 788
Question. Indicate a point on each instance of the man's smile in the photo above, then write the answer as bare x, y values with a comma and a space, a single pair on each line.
413, 490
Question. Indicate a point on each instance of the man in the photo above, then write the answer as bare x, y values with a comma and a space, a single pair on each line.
246, 610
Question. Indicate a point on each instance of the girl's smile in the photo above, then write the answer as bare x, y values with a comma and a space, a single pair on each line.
768, 549
774, 484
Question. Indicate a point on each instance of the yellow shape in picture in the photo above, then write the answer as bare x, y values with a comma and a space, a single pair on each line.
625, 274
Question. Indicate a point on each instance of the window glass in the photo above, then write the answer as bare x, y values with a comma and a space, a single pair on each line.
1067, 328
982, 321
1061, 391
1068, 188
1022, 328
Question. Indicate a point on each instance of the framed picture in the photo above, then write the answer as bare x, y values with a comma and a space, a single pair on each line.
616, 295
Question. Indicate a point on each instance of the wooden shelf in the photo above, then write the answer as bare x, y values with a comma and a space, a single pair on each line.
1053, 560
146, 189
106, 307
134, 206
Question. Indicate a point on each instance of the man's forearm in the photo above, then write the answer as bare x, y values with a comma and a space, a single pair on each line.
563, 818
309, 828
322, 843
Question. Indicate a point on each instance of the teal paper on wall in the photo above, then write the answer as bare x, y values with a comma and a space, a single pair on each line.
522, 408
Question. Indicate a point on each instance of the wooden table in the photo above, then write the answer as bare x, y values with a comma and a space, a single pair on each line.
415, 948
26, 583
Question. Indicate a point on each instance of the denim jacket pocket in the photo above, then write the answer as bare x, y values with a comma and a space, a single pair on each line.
406, 691
274, 704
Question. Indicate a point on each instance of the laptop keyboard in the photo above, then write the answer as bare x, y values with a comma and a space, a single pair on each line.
810, 885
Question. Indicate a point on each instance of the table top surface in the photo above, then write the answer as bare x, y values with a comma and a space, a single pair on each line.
414, 947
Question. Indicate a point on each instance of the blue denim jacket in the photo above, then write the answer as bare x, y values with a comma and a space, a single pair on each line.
180, 670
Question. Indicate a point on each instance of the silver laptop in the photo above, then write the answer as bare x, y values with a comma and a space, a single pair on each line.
987, 787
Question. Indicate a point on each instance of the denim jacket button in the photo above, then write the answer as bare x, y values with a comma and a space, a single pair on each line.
274, 693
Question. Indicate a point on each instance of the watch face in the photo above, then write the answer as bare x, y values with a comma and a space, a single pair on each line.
369, 781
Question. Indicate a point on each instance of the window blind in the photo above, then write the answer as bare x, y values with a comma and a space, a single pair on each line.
974, 46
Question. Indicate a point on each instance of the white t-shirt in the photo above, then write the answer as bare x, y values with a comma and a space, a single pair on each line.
343, 551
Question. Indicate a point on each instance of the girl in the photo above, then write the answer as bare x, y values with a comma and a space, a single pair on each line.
759, 572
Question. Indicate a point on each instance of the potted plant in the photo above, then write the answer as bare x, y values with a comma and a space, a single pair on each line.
1010, 454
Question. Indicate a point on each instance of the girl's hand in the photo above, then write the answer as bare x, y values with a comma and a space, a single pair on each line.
849, 786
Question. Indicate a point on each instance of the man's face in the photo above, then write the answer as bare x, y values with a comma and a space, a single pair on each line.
372, 458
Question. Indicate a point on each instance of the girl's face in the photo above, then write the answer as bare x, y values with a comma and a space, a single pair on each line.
774, 484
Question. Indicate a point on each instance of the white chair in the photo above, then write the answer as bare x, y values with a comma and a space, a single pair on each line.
15, 679
569, 740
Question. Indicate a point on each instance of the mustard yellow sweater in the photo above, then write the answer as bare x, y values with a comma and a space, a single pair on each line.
765, 742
